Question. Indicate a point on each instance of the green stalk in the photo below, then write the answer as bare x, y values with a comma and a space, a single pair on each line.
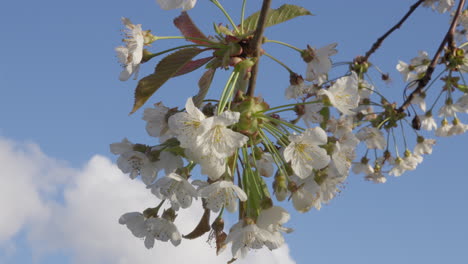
285, 44
226, 14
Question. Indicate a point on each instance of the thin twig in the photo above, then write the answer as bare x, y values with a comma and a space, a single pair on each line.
256, 44
379, 41
430, 69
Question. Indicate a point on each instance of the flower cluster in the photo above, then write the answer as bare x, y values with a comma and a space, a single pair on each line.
250, 155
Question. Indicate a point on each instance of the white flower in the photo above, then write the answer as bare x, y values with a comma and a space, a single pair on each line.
265, 165
156, 119
399, 167
442, 5
151, 228
457, 128
222, 193
312, 113
298, 90
373, 138
303, 199
187, 125
409, 162
362, 167
443, 130
131, 54
324, 190
376, 177
418, 99
341, 159
212, 166
448, 110
168, 161
462, 104
365, 89
427, 122
343, 94
320, 64
304, 152
424, 146
176, 189
246, 235
217, 139
174, 4
134, 162
272, 220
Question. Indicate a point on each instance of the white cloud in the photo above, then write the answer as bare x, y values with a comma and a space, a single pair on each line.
84, 224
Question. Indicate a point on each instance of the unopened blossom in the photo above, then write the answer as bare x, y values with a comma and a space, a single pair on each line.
318, 62
373, 137
176, 189
246, 235
187, 125
304, 152
427, 121
222, 194
424, 146
343, 94
156, 119
131, 54
272, 220
219, 140
134, 162
174, 4
151, 228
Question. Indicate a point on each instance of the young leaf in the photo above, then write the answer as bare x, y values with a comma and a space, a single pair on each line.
204, 85
166, 68
276, 16
186, 26
192, 65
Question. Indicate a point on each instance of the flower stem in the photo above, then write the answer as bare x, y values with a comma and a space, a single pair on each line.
226, 14
284, 44
279, 62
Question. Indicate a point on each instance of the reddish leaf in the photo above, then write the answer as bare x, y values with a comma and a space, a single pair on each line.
192, 65
186, 26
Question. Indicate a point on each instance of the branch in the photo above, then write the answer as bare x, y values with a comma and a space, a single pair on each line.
379, 41
449, 38
256, 44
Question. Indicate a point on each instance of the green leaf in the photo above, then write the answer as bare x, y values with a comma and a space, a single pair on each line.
276, 16
204, 85
166, 69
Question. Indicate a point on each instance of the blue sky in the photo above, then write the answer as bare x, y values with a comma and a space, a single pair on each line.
62, 105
